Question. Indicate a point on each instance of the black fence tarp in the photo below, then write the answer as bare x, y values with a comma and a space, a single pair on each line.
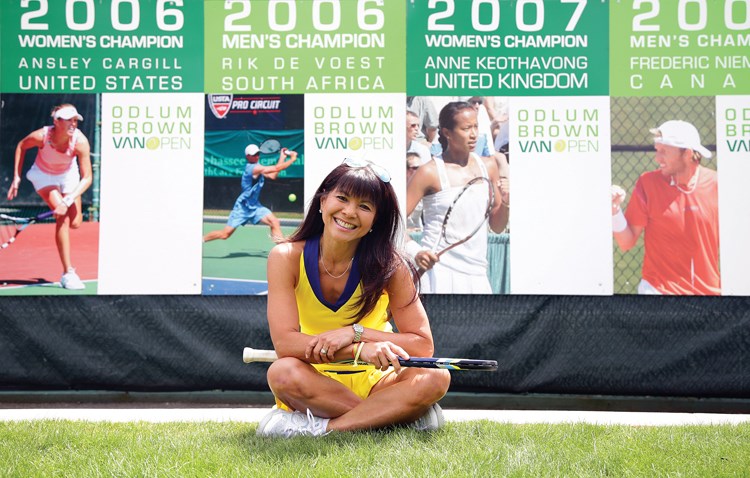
621, 345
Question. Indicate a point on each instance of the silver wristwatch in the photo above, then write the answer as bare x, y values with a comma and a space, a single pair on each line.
358, 329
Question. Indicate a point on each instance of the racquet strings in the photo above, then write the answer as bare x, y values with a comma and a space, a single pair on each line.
270, 146
7, 230
12, 223
467, 213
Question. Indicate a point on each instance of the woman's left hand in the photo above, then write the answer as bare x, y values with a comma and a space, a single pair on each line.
323, 347
503, 184
61, 209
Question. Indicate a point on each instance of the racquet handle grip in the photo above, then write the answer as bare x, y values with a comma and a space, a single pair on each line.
255, 355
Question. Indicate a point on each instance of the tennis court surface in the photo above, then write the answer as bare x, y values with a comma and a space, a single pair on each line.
31, 265
237, 266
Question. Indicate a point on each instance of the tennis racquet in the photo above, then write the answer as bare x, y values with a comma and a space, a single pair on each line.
466, 215
254, 355
269, 146
11, 226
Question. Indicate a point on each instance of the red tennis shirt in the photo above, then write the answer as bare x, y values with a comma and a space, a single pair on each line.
681, 233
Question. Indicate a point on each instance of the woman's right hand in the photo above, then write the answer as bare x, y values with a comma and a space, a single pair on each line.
13, 189
331, 341
425, 259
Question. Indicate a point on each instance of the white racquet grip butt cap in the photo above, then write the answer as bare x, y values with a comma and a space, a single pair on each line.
253, 355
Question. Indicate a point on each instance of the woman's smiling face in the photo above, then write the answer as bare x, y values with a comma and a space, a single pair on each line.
345, 216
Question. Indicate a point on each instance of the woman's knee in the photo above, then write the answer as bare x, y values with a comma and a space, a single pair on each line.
440, 380
431, 384
286, 374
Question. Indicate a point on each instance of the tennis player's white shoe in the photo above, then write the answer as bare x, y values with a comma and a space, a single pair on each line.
71, 281
283, 424
431, 420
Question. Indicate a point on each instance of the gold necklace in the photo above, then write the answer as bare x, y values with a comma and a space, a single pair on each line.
322, 260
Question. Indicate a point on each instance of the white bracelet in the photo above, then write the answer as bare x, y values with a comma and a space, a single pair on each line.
619, 223
68, 200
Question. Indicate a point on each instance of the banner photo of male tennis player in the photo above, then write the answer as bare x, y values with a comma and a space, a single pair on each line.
253, 186
664, 198
678, 75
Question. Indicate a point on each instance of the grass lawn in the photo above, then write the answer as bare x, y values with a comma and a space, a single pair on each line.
461, 449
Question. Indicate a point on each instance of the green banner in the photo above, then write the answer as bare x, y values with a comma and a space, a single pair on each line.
680, 48
507, 47
283, 46
221, 148
234, 167
92, 46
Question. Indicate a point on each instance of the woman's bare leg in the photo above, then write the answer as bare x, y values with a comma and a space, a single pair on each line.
395, 399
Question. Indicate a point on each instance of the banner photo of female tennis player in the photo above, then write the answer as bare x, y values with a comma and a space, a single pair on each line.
180, 100
50, 153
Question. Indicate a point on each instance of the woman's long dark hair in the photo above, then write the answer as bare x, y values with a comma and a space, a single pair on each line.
447, 119
378, 258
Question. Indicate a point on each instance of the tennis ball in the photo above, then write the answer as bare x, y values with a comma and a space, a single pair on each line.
292, 197
153, 142
355, 143
560, 145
